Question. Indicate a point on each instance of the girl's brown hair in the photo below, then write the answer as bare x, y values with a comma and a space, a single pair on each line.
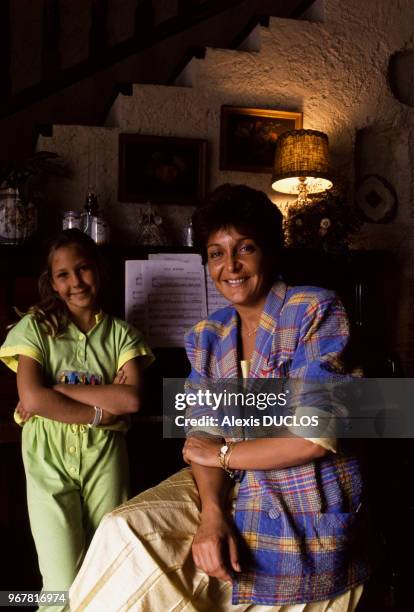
51, 311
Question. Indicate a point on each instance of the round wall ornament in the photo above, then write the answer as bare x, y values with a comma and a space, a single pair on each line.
376, 199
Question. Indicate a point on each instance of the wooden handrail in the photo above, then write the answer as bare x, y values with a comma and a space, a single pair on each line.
114, 54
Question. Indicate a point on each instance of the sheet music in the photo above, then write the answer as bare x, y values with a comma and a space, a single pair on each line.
176, 300
135, 297
185, 257
167, 294
214, 298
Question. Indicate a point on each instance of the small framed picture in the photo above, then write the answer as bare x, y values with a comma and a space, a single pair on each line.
248, 136
161, 169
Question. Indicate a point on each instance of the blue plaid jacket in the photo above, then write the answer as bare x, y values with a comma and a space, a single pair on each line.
302, 524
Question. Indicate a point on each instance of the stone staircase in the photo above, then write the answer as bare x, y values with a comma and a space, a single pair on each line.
63, 63
257, 74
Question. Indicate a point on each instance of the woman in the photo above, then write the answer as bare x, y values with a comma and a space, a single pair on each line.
298, 502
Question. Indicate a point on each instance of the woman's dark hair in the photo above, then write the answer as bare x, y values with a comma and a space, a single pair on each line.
248, 210
51, 311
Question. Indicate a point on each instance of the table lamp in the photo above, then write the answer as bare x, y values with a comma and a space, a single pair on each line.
301, 164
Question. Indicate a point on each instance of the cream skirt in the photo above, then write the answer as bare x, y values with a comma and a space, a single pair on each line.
140, 559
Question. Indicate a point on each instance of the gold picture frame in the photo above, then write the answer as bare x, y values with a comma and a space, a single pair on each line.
162, 169
248, 136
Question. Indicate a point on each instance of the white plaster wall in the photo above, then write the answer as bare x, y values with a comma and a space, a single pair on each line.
335, 72
91, 156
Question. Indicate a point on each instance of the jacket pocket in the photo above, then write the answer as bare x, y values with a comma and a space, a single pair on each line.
339, 530
292, 490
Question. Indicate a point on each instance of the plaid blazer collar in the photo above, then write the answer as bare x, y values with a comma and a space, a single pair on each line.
228, 359
227, 354
264, 336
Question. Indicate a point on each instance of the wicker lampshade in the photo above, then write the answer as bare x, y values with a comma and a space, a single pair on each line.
301, 160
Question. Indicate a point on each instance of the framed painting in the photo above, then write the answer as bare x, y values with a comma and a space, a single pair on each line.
161, 169
248, 136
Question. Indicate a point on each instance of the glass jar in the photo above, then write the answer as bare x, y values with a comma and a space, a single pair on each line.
18, 220
71, 219
99, 229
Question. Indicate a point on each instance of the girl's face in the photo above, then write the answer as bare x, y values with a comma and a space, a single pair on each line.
236, 265
75, 278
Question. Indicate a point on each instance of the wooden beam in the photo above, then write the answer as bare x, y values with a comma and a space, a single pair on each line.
113, 55
50, 62
144, 16
98, 34
184, 7
5, 49
283, 8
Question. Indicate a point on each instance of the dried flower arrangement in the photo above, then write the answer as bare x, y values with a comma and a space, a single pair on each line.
17, 174
325, 223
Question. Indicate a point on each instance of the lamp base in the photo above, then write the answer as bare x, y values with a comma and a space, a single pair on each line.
302, 191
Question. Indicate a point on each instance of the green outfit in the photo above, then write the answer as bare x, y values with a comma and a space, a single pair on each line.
75, 474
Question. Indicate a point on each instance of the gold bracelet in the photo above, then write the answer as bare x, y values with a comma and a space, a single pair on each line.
231, 446
223, 455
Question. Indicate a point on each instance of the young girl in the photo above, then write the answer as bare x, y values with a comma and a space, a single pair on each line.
78, 370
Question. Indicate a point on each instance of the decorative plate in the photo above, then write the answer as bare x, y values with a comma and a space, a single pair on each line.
376, 199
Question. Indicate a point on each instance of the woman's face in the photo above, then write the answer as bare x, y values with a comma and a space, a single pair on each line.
236, 265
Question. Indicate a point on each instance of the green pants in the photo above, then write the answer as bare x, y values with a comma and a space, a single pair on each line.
75, 474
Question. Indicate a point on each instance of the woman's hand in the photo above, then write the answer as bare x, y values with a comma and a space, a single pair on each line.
214, 547
204, 451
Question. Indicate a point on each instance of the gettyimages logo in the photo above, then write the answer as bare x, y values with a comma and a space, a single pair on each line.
345, 408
